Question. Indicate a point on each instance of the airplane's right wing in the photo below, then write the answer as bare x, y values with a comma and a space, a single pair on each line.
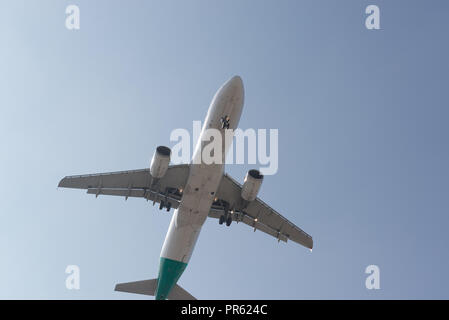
258, 215
133, 183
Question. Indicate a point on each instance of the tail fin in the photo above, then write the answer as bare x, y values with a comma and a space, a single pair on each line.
148, 287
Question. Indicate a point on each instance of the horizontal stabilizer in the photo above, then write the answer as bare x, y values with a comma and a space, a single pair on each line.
178, 293
148, 287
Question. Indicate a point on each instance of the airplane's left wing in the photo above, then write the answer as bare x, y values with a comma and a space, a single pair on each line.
133, 183
257, 214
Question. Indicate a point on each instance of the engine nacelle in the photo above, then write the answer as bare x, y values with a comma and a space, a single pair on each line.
160, 161
251, 185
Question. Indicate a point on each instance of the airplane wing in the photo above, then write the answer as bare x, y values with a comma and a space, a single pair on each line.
257, 214
134, 183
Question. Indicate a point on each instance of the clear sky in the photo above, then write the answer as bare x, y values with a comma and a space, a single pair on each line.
363, 143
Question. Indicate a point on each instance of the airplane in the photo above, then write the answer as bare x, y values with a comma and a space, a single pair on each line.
196, 191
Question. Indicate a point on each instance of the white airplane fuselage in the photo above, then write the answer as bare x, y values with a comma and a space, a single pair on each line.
199, 192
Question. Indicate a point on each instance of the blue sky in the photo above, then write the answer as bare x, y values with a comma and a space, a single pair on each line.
363, 143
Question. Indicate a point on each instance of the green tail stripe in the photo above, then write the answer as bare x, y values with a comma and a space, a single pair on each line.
169, 273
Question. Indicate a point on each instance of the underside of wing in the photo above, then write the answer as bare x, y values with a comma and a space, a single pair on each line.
257, 214
133, 183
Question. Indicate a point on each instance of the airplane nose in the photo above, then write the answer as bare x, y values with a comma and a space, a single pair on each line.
235, 86
236, 80
228, 103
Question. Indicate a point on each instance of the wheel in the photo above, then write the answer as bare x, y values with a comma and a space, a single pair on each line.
168, 206
221, 220
229, 221
161, 205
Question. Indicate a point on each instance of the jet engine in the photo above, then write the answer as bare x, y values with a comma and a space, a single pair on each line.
160, 161
251, 185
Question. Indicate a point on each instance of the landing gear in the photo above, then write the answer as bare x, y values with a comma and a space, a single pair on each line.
227, 219
225, 122
165, 204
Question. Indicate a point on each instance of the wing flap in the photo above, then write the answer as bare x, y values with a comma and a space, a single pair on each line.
137, 193
256, 225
